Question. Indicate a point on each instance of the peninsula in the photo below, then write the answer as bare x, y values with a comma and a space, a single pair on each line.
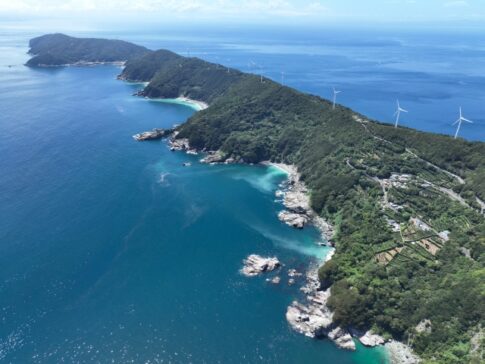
407, 206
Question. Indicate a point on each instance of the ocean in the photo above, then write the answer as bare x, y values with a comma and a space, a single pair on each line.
112, 251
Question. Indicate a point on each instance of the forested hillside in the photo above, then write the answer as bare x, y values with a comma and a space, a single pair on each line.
388, 279
407, 205
60, 49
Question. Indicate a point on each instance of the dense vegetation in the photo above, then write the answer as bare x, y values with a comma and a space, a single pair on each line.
342, 156
60, 49
171, 76
387, 280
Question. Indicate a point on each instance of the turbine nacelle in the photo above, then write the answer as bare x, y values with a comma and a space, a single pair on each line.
461, 118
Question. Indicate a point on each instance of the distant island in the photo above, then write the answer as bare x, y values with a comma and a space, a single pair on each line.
61, 50
406, 206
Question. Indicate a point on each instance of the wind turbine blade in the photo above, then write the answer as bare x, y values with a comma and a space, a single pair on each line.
456, 122
404, 110
469, 121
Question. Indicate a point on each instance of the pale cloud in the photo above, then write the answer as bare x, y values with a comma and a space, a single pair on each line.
315, 11
456, 4
257, 7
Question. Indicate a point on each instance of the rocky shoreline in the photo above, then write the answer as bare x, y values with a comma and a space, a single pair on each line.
295, 197
83, 64
153, 134
312, 317
400, 353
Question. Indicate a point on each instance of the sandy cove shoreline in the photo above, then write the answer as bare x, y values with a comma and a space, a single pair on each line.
197, 105
200, 105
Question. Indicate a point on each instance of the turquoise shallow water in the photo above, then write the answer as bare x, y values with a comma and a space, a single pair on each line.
111, 250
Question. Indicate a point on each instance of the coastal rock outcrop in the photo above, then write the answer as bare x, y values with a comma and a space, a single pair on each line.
275, 280
295, 220
314, 319
400, 353
342, 338
294, 273
256, 264
370, 339
296, 200
367, 338
213, 157
181, 144
152, 135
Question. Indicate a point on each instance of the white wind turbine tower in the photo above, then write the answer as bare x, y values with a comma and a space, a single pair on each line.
261, 71
252, 63
335, 93
227, 68
398, 113
459, 121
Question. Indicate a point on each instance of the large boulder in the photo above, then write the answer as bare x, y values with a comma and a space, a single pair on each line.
255, 264
213, 157
292, 219
342, 338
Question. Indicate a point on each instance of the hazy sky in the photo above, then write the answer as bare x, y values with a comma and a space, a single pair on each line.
313, 11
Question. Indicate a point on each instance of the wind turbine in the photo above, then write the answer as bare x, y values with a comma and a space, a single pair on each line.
459, 121
261, 71
335, 93
254, 64
228, 69
398, 113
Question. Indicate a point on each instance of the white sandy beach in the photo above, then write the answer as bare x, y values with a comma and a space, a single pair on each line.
194, 104
288, 169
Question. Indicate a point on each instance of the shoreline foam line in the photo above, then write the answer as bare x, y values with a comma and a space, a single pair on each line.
193, 104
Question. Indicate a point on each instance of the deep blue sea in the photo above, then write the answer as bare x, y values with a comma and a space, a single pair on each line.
112, 251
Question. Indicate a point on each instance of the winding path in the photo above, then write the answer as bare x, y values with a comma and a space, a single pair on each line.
458, 178
450, 193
